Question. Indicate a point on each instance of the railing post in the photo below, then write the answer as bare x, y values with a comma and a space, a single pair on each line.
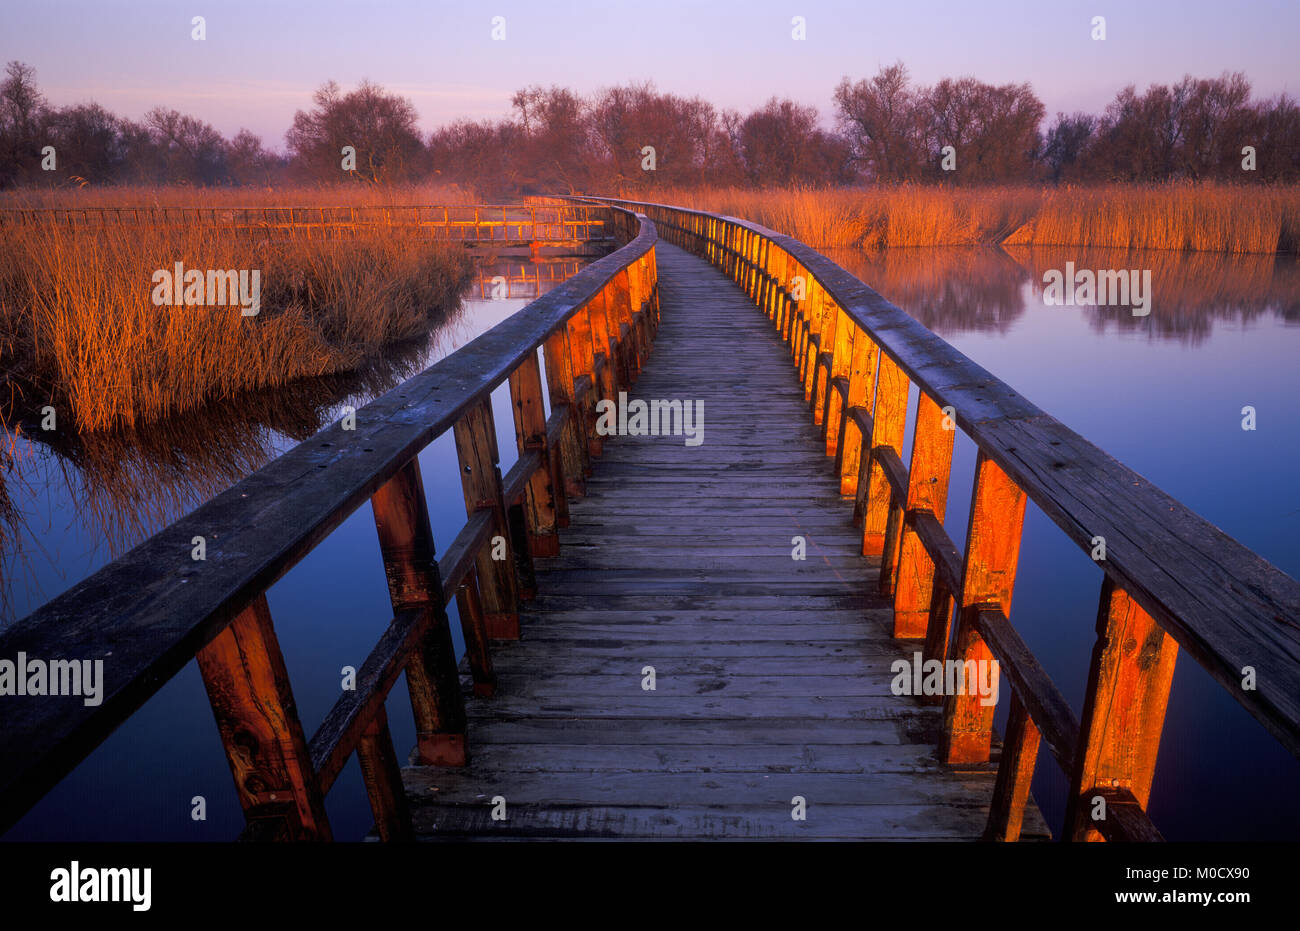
997, 514
888, 423
862, 389
827, 319
559, 383
406, 539
812, 322
582, 357
248, 687
1124, 708
927, 489
530, 433
602, 341
480, 479
841, 351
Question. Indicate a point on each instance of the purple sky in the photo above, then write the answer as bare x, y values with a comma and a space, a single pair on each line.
263, 58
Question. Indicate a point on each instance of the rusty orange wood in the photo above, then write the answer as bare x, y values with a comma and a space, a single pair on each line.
401, 515
1015, 773
997, 515
927, 490
582, 354
888, 426
1124, 707
841, 362
248, 687
862, 388
480, 478
559, 382
530, 433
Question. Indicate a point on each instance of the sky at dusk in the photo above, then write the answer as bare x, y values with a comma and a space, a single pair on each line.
262, 60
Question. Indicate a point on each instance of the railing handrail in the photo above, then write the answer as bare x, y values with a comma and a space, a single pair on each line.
1223, 603
154, 608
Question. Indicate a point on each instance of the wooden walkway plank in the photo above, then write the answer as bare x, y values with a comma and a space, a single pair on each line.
771, 674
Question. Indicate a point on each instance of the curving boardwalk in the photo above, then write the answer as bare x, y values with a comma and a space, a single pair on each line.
772, 675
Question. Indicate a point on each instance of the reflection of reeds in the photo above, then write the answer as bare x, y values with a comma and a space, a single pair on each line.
1208, 217
947, 289
1189, 290
127, 484
77, 322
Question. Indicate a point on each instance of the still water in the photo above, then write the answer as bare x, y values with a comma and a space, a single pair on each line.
1163, 393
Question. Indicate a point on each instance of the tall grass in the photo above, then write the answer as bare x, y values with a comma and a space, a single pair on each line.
1207, 217
78, 328
351, 195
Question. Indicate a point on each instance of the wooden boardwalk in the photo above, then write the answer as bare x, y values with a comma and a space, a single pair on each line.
772, 675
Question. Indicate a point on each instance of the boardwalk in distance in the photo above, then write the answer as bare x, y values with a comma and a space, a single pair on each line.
772, 674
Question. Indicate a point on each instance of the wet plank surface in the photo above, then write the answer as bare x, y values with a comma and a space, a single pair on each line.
771, 674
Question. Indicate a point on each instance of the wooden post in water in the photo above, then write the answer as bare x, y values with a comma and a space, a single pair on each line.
1124, 708
406, 539
480, 478
248, 687
997, 514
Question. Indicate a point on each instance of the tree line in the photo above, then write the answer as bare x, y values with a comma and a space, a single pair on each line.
885, 128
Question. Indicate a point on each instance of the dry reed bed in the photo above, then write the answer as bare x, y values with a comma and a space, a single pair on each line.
351, 195
1208, 217
79, 329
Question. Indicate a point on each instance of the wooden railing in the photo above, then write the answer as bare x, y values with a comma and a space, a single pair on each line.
1170, 578
149, 612
544, 224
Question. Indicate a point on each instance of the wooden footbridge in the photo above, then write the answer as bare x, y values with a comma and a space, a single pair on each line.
649, 659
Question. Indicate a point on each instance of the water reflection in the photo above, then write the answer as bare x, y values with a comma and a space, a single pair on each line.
982, 289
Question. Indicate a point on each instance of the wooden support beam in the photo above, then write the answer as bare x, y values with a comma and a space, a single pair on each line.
1129, 679
1015, 773
382, 775
927, 489
469, 605
480, 478
248, 688
406, 540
